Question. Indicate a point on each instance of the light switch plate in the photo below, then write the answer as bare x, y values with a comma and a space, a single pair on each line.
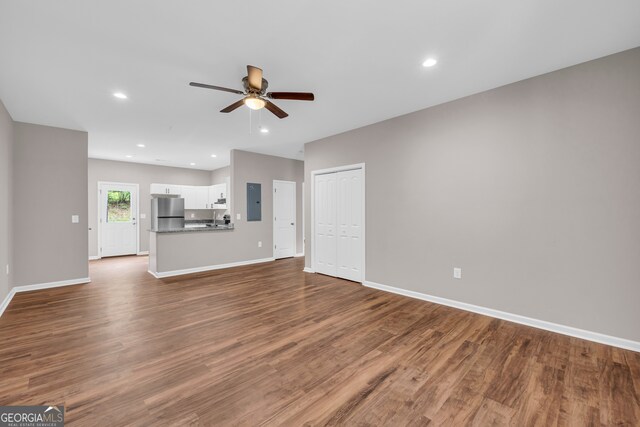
75, 219
238, 217
457, 273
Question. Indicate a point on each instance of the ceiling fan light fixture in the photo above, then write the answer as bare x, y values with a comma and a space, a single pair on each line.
254, 102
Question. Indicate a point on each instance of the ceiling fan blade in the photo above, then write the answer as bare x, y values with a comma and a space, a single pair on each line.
224, 89
297, 96
254, 75
233, 106
275, 109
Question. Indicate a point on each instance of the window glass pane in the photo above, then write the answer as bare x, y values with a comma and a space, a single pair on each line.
118, 206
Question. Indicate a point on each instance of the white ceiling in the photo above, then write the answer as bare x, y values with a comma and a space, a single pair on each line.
60, 62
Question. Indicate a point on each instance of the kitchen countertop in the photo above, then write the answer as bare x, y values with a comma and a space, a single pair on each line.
196, 229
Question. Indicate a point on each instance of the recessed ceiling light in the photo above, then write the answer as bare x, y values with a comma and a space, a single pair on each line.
192, 164
264, 130
213, 155
120, 95
429, 62
141, 145
128, 156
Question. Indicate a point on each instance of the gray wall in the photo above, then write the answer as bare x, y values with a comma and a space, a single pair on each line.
6, 196
531, 188
259, 168
50, 185
144, 176
219, 175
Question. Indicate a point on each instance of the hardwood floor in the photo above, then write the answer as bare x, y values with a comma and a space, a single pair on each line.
271, 345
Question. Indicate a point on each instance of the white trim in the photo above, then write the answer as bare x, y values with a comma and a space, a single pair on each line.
516, 318
364, 211
6, 301
38, 286
273, 210
141, 253
308, 270
299, 255
94, 257
137, 213
163, 274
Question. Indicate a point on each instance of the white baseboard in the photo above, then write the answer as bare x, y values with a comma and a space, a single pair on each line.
163, 274
143, 253
39, 286
299, 255
516, 318
308, 270
6, 301
93, 257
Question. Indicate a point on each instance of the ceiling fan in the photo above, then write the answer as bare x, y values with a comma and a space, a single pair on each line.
255, 93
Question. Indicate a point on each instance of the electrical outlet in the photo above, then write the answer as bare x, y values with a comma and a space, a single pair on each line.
75, 219
260, 244
143, 216
457, 273
193, 215
238, 217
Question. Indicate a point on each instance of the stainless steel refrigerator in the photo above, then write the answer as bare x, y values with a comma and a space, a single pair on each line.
167, 213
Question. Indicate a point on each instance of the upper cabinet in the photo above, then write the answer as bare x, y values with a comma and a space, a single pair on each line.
196, 197
218, 196
169, 189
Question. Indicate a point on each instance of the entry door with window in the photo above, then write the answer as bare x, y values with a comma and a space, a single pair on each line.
118, 219
284, 219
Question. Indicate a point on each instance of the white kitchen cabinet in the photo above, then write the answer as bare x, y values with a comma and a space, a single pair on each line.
195, 197
217, 192
168, 189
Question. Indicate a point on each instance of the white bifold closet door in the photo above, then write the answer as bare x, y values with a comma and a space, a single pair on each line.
338, 224
325, 223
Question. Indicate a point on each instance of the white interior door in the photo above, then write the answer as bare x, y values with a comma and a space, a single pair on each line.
284, 219
349, 217
118, 219
325, 199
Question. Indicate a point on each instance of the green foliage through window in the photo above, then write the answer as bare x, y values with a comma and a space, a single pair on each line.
118, 206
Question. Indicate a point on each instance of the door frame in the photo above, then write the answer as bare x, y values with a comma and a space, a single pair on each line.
314, 173
100, 183
273, 210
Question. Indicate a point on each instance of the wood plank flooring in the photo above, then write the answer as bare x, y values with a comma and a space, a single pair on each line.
270, 345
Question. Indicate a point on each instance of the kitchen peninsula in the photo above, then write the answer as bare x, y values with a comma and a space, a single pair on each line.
190, 249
